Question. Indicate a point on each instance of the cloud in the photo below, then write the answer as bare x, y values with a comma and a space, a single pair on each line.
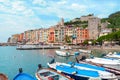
16, 16
78, 7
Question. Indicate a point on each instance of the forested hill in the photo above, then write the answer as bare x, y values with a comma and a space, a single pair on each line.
114, 20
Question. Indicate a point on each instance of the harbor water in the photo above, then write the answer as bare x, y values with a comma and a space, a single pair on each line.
11, 59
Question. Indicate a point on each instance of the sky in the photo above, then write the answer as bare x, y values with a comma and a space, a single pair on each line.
17, 16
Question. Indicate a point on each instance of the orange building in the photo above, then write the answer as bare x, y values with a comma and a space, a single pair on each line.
51, 35
82, 35
20, 37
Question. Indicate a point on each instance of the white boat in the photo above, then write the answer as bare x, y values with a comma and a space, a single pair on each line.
62, 53
49, 74
113, 55
83, 66
65, 47
104, 61
76, 74
85, 51
102, 71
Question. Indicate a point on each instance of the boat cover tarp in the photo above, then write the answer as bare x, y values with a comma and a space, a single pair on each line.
23, 76
87, 66
78, 72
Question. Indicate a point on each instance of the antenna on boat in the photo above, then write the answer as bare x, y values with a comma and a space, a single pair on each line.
20, 70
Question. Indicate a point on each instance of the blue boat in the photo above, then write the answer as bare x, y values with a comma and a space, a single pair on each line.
77, 74
102, 71
23, 76
88, 66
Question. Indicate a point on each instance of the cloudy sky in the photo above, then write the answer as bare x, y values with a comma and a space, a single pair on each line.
17, 16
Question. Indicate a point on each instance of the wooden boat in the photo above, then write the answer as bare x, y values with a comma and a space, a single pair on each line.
77, 74
49, 74
62, 53
3, 77
23, 76
104, 61
84, 51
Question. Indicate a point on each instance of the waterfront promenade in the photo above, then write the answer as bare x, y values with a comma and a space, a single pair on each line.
116, 47
31, 47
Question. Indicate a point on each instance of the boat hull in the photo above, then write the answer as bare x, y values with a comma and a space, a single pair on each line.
62, 53
74, 72
23, 76
58, 76
3, 77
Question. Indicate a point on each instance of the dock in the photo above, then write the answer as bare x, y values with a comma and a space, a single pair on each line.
32, 47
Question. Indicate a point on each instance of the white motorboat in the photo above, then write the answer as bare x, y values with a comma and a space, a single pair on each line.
85, 51
76, 74
62, 53
113, 55
104, 61
102, 71
84, 66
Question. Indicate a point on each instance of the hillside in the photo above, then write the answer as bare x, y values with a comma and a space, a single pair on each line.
114, 20
78, 23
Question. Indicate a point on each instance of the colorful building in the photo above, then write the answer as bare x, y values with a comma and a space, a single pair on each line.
82, 35
20, 38
51, 35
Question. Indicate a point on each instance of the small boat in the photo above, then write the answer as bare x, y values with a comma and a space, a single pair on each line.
62, 53
104, 61
113, 55
49, 74
3, 77
102, 71
65, 47
77, 74
23, 76
84, 51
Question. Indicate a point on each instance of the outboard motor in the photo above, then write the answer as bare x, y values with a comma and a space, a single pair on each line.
52, 61
20, 70
39, 66
91, 56
83, 58
103, 55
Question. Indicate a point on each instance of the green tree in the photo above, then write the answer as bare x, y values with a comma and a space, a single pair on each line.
67, 39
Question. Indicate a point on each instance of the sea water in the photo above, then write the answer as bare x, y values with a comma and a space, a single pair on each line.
11, 60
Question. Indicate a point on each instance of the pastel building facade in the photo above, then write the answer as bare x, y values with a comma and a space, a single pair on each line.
51, 35
82, 35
